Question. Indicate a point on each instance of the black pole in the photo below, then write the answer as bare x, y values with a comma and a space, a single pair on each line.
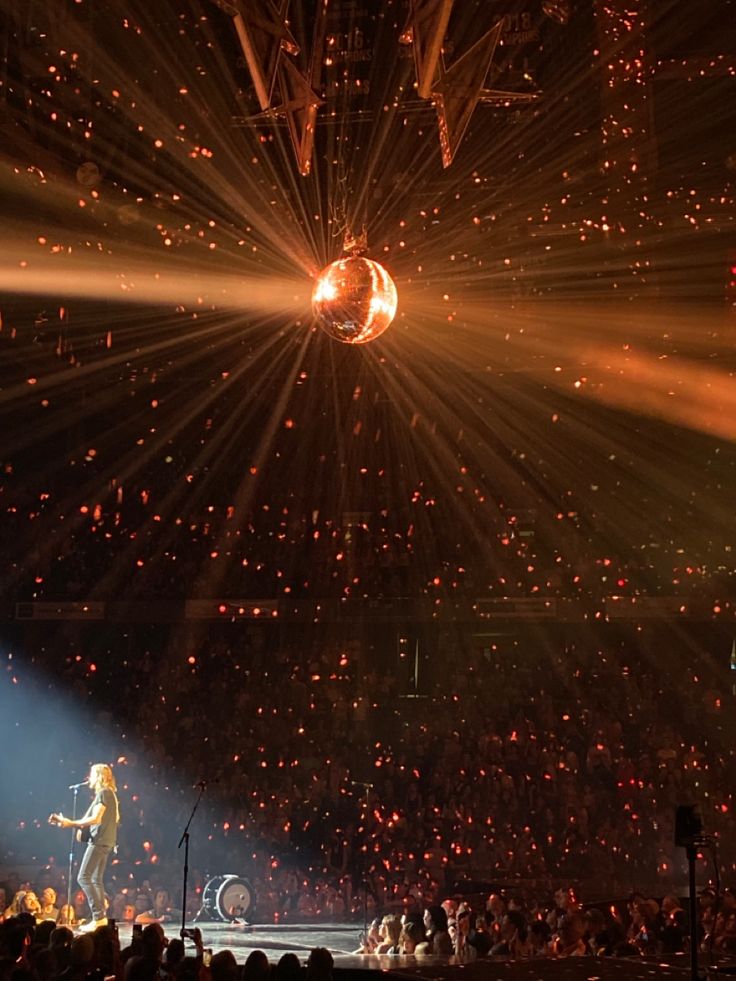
365, 894
71, 852
185, 841
184, 886
691, 851
364, 807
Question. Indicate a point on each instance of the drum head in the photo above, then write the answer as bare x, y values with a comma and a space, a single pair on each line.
235, 898
227, 898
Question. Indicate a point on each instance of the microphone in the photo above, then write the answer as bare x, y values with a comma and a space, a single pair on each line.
204, 783
360, 783
76, 786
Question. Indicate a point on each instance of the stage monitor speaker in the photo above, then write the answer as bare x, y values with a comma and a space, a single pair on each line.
688, 825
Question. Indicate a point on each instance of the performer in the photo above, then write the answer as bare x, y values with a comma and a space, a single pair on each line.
98, 827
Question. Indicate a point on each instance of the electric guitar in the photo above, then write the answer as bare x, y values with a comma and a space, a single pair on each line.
83, 834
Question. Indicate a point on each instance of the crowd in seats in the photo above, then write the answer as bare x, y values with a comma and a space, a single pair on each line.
165, 528
559, 766
280, 552
334, 791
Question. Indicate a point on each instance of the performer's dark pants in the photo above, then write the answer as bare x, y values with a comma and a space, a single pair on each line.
90, 876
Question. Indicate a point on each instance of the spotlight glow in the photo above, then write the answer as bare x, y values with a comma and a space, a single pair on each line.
354, 300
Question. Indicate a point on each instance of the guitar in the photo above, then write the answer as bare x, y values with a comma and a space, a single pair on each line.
83, 834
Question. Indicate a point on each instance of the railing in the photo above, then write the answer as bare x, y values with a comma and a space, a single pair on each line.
385, 610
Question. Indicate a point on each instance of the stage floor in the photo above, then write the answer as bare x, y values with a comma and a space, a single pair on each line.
275, 939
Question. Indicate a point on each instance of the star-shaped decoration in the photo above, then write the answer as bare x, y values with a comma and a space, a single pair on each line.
263, 35
299, 104
425, 31
459, 90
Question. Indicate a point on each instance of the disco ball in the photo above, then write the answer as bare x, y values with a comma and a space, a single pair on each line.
354, 300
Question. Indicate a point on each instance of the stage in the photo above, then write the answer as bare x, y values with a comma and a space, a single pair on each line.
341, 939
276, 939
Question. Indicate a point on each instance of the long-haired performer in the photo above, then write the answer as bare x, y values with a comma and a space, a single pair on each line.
98, 827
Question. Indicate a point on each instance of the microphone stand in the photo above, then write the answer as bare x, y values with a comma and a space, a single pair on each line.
71, 850
184, 840
691, 850
364, 806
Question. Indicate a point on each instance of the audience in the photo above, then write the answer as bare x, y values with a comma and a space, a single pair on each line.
389, 932
437, 938
42, 952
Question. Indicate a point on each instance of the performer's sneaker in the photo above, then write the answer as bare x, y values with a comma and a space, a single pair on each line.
93, 925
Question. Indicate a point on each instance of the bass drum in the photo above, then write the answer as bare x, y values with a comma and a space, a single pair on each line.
227, 898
